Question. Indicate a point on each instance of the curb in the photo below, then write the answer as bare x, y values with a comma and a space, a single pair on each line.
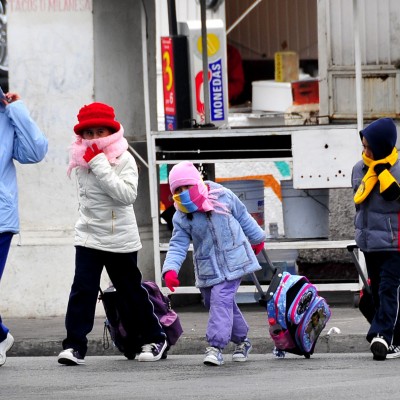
189, 345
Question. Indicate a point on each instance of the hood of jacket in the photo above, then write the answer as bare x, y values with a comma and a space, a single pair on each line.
381, 136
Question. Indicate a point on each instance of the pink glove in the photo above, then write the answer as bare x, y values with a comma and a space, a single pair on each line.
91, 152
171, 280
257, 247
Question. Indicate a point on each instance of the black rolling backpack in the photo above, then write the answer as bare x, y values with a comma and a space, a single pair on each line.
114, 326
366, 302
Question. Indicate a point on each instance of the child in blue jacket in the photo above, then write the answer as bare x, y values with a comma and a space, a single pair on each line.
225, 240
20, 140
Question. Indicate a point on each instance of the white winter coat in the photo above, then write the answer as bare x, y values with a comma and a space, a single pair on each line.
106, 195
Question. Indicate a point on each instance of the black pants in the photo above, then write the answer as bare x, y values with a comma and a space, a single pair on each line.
384, 272
138, 313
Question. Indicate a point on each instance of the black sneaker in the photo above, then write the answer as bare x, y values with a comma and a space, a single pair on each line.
393, 352
70, 357
152, 351
379, 348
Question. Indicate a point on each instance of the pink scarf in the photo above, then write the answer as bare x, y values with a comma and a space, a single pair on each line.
113, 146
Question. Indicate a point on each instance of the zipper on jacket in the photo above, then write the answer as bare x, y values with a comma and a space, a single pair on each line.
113, 217
391, 230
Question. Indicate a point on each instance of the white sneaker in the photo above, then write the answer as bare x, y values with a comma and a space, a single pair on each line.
213, 356
393, 352
5, 345
152, 351
379, 348
70, 357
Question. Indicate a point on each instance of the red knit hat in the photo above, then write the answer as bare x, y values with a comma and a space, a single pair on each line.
96, 114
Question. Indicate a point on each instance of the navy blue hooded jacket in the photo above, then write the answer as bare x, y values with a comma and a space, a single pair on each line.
377, 221
381, 136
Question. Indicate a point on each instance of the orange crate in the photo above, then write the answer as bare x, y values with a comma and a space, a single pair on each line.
305, 92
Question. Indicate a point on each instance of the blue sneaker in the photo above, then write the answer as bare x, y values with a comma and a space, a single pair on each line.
213, 356
278, 353
242, 351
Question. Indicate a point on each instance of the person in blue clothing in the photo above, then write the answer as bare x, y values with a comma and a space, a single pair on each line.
226, 239
377, 193
23, 141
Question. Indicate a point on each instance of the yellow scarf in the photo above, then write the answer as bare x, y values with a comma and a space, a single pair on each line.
371, 178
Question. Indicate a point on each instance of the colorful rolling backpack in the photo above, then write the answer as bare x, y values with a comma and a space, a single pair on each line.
296, 313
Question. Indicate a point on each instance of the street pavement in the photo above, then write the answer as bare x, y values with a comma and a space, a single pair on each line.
43, 336
333, 376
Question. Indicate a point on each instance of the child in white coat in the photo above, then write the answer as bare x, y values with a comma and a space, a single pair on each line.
106, 235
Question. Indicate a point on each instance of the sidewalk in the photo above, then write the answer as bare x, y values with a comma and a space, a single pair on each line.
43, 336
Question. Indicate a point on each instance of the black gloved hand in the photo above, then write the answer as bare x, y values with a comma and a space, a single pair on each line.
379, 168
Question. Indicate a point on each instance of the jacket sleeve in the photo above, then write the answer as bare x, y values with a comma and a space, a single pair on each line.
250, 227
119, 183
178, 248
30, 143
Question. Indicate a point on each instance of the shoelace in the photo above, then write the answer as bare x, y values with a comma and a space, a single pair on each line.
212, 351
240, 347
149, 347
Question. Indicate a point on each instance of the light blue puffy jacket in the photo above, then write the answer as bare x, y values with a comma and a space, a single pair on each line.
21, 140
221, 242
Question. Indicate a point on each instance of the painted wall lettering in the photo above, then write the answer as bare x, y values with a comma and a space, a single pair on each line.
49, 5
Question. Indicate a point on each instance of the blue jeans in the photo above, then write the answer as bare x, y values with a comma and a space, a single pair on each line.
138, 316
225, 322
5, 243
384, 272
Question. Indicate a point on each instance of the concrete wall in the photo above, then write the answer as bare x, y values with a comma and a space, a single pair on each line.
63, 55
119, 80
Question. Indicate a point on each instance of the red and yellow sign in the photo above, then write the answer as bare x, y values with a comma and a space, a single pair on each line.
167, 52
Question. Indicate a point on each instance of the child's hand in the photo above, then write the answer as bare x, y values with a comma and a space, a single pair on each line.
91, 152
257, 247
379, 168
171, 280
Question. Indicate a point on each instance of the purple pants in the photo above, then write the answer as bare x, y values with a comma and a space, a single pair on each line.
225, 321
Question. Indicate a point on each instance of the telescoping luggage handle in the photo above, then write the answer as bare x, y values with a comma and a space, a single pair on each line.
276, 279
351, 248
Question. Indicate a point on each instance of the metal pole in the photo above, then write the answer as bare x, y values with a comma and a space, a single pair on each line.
150, 155
357, 62
206, 88
173, 26
237, 22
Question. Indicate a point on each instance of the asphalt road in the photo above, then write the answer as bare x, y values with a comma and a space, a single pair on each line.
324, 376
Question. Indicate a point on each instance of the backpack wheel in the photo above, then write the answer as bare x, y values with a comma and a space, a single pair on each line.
307, 356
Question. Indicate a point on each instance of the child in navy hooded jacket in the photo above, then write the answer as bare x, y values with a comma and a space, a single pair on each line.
225, 239
377, 193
